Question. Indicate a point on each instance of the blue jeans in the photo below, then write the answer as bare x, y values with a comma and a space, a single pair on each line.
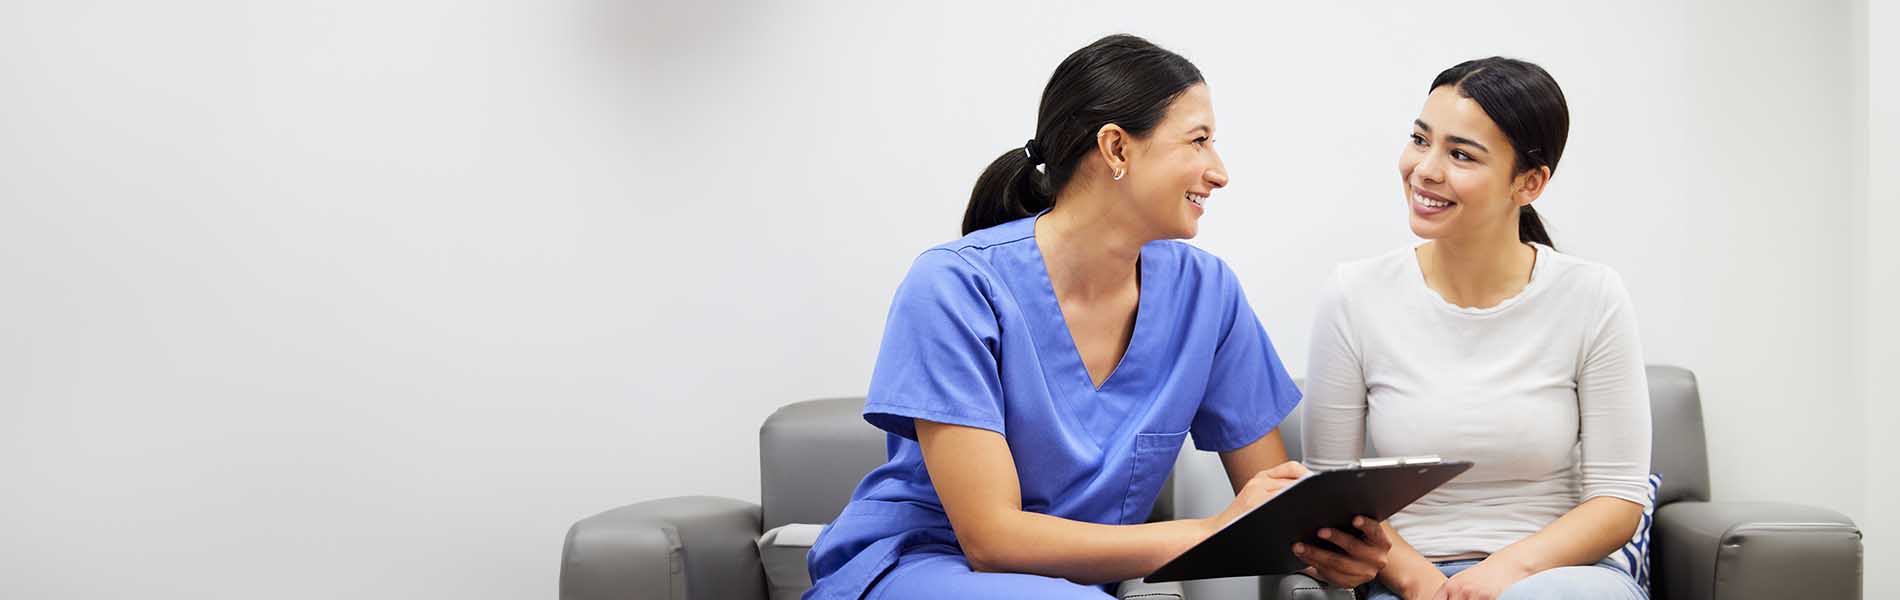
1605, 580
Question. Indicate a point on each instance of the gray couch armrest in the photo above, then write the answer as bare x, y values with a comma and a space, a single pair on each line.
686, 548
1136, 589
1749, 550
1300, 587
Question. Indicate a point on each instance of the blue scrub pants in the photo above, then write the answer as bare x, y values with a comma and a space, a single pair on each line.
930, 572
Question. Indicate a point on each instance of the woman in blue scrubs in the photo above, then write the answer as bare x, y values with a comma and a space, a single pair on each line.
1039, 376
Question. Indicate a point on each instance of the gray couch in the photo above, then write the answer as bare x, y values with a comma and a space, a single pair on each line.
813, 453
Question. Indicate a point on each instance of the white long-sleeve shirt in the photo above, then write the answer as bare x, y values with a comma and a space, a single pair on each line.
1544, 392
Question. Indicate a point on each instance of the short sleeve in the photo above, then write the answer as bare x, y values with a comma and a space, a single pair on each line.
1248, 390
938, 361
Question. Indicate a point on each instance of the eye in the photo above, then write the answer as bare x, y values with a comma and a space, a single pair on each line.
1202, 141
1461, 155
1418, 140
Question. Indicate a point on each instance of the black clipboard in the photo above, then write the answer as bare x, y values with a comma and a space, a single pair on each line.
1261, 541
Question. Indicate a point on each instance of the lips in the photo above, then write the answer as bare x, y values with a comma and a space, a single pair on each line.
1426, 204
1431, 200
1197, 200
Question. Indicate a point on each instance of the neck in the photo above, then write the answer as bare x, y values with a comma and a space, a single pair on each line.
1477, 272
1089, 250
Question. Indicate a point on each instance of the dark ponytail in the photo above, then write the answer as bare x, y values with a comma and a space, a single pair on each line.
1007, 190
1530, 228
1526, 104
1119, 79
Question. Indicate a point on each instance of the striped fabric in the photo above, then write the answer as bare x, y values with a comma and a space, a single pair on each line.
1636, 552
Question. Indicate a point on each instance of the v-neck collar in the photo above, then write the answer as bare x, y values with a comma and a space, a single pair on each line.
1075, 371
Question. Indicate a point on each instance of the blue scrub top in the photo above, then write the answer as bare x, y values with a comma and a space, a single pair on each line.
975, 338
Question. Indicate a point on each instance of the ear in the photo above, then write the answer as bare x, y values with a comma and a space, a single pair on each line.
1111, 143
1529, 185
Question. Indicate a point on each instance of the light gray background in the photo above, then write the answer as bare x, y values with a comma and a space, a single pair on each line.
373, 299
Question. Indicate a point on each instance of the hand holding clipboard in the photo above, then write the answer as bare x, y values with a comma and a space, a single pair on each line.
1260, 541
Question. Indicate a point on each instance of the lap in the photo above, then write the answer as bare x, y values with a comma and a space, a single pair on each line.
1601, 580
1380, 592
1594, 581
947, 575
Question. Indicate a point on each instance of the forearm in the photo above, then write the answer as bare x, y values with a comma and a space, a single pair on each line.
1089, 553
1582, 536
1406, 571
1244, 463
975, 476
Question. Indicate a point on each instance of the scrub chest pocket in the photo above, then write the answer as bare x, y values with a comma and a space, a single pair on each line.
1153, 460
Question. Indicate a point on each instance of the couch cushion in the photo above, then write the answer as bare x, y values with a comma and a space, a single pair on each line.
1679, 450
812, 454
782, 553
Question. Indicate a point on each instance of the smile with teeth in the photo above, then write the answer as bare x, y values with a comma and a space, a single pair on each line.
1429, 202
1197, 200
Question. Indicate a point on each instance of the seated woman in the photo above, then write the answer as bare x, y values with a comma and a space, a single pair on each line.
1485, 344
1038, 376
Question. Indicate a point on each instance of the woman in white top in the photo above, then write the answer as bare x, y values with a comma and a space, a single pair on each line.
1485, 344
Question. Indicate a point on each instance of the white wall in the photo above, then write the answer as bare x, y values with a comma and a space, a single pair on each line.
1879, 24
366, 299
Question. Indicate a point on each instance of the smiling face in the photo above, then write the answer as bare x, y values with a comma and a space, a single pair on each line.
1170, 174
1458, 170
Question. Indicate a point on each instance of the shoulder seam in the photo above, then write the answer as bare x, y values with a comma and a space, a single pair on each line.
955, 252
955, 246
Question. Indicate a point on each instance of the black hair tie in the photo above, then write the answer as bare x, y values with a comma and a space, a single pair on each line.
1033, 150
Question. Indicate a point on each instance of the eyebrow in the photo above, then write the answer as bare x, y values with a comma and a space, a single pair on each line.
1454, 139
1201, 128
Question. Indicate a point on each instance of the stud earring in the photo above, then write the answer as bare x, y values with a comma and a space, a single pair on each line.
1119, 173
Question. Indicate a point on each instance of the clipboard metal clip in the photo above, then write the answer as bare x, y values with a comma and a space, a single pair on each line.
1396, 461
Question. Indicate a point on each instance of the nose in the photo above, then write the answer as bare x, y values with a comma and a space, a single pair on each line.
1430, 168
1216, 174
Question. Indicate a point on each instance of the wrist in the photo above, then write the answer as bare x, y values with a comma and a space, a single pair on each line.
1420, 584
1511, 563
1182, 535
1192, 533
1204, 527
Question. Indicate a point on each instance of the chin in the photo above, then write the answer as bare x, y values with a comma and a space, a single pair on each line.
1189, 226
1426, 230
1185, 230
